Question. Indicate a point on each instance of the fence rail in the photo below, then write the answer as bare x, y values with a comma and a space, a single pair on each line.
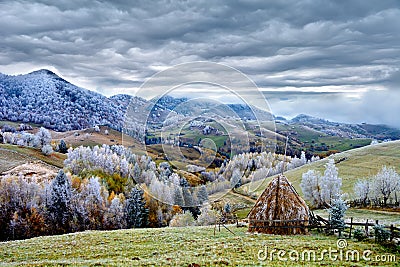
374, 203
320, 223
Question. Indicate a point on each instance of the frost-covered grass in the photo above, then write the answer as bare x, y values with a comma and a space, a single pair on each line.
172, 247
55, 159
10, 159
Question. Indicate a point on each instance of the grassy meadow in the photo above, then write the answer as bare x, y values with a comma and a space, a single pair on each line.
181, 247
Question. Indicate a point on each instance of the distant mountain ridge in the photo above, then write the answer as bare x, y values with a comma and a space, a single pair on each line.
42, 97
347, 130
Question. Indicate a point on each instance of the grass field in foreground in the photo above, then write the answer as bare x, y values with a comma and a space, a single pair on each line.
177, 247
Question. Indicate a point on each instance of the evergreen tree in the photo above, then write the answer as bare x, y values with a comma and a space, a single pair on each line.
187, 197
336, 212
202, 195
178, 197
58, 205
135, 211
62, 147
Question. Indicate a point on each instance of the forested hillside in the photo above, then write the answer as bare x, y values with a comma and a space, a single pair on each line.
44, 98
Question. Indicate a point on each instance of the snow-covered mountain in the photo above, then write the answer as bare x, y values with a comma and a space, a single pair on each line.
42, 97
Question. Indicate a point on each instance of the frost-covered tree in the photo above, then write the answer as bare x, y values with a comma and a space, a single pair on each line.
187, 197
303, 158
362, 190
320, 191
311, 188
47, 150
385, 183
58, 206
337, 212
178, 197
114, 217
201, 193
207, 216
44, 137
135, 209
182, 220
93, 197
236, 178
331, 183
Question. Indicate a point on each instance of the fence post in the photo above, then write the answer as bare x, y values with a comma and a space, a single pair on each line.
366, 228
351, 226
391, 232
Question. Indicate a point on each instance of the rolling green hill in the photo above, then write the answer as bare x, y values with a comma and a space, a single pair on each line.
354, 164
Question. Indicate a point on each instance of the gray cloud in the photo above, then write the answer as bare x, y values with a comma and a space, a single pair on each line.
345, 49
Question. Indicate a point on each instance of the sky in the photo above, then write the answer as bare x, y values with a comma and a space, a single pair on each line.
337, 60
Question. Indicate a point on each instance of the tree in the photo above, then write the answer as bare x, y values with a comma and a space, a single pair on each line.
187, 197
135, 211
114, 217
58, 205
47, 150
362, 189
331, 183
62, 147
44, 137
182, 220
236, 178
178, 197
385, 183
94, 198
303, 158
201, 194
336, 212
310, 185
207, 216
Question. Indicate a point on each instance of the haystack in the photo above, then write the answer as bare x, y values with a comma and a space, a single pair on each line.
279, 210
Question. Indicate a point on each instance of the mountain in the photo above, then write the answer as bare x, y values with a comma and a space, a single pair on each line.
346, 130
42, 97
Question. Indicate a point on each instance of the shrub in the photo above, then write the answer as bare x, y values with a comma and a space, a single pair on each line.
182, 220
359, 234
381, 234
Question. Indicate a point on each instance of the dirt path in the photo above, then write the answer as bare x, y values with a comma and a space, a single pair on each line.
242, 196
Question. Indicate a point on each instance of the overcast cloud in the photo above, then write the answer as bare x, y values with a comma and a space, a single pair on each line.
334, 59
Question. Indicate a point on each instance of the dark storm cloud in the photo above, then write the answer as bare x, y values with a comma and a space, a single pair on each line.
322, 47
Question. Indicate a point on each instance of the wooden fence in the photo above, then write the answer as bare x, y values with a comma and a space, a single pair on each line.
320, 223
374, 203
367, 225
